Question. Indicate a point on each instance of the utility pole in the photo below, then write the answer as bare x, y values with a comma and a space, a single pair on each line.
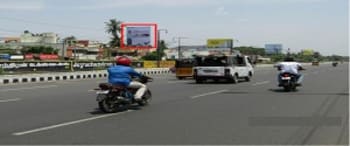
233, 46
158, 49
179, 46
63, 49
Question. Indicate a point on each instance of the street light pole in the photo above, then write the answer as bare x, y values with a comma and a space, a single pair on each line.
158, 49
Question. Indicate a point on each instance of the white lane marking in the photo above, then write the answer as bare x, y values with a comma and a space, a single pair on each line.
67, 124
261, 83
207, 94
9, 100
29, 88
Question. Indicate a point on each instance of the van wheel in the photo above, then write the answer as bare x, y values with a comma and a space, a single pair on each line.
248, 77
234, 79
180, 78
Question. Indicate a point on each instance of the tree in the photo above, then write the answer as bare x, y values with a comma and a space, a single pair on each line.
251, 50
113, 27
38, 50
162, 46
153, 55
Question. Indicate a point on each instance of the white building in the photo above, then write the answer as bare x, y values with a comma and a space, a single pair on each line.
49, 37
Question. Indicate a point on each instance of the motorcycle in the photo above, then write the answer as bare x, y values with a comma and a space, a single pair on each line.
288, 81
113, 98
334, 64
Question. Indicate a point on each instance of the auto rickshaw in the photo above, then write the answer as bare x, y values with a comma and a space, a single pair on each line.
184, 68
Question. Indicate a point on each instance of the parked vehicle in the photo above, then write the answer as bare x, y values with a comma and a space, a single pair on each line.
230, 68
114, 98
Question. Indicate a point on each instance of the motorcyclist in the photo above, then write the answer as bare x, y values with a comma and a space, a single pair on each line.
121, 75
292, 67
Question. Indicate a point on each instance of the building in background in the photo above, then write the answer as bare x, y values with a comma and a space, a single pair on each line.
273, 48
186, 51
85, 50
10, 39
48, 38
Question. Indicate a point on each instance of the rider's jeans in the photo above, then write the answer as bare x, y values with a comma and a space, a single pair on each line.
141, 89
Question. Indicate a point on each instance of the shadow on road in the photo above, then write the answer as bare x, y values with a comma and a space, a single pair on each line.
214, 82
97, 111
280, 90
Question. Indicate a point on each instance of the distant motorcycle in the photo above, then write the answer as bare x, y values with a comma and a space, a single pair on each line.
114, 98
334, 64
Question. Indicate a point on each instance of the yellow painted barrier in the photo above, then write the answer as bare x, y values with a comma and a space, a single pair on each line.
163, 64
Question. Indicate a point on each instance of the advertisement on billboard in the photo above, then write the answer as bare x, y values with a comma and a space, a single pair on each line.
220, 43
273, 48
308, 52
138, 36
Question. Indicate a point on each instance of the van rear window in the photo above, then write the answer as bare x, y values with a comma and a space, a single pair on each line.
211, 61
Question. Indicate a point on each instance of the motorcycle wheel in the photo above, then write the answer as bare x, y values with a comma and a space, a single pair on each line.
146, 99
287, 88
107, 106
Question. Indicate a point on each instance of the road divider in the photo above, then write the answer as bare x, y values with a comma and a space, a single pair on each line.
62, 76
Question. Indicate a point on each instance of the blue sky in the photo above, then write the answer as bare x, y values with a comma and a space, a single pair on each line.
297, 24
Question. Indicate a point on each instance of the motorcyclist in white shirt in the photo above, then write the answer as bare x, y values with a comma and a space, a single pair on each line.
292, 67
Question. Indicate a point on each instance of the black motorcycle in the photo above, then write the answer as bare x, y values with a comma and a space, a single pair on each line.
113, 98
334, 64
288, 81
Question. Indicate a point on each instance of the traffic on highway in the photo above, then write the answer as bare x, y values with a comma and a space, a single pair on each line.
183, 112
174, 72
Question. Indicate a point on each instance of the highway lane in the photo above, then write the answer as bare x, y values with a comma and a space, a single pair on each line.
182, 112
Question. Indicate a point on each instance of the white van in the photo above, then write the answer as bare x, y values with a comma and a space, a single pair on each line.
216, 67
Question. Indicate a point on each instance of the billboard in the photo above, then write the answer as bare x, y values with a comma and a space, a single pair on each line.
139, 35
308, 52
220, 43
273, 48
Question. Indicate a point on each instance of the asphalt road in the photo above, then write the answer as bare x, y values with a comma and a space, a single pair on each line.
182, 112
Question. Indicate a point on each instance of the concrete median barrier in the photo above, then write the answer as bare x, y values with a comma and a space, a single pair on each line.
62, 76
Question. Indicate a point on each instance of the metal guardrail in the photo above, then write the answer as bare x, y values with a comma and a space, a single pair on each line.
47, 77
61, 76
